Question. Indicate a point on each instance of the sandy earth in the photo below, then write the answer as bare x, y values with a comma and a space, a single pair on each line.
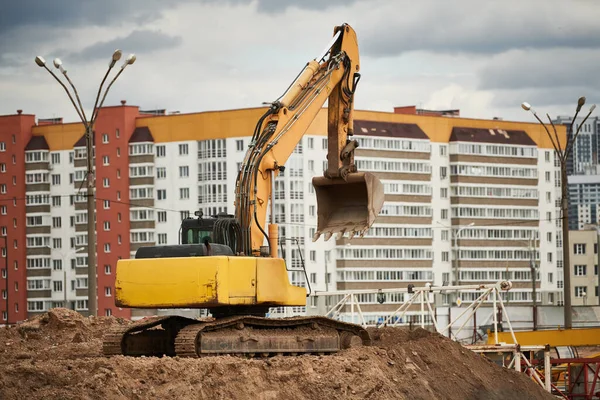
58, 356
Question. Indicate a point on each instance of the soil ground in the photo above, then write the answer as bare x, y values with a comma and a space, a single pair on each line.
57, 355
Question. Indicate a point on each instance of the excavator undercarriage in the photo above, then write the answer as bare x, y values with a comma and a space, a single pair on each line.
245, 336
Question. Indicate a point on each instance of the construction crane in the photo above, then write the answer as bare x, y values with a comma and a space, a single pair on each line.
229, 264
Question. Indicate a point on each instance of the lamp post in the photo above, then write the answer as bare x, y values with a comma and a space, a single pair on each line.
5, 238
531, 246
89, 130
597, 269
563, 155
456, 272
63, 257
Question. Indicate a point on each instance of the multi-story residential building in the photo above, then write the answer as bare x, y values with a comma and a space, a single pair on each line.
584, 266
494, 181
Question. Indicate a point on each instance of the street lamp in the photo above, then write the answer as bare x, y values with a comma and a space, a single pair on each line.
5, 238
455, 259
456, 236
531, 250
64, 257
89, 129
563, 155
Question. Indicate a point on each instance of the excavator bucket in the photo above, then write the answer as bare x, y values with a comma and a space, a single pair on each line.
349, 205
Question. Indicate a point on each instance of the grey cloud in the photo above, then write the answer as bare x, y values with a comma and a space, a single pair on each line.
564, 97
138, 41
473, 27
76, 13
539, 69
279, 6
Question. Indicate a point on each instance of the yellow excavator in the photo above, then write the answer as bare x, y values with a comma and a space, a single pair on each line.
230, 265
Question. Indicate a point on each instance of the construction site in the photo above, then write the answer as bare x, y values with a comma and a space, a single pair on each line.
225, 308
59, 355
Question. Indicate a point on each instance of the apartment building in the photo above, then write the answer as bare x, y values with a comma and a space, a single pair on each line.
493, 181
584, 266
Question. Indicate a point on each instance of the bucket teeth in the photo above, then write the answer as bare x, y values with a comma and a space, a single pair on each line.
352, 233
316, 236
328, 236
340, 234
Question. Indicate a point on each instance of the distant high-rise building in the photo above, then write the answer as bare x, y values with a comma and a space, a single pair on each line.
495, 181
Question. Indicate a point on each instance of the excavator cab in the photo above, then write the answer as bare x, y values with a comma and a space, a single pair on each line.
197, 230
347, 205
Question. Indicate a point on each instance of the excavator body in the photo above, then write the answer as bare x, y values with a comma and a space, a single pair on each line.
229, 265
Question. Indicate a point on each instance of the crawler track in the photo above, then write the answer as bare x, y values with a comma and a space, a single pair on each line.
237, 335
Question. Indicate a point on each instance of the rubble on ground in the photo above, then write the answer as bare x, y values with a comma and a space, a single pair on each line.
58, 355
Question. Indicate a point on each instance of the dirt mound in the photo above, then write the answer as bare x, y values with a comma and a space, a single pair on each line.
58, 355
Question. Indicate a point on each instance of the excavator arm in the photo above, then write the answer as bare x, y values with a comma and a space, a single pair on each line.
331, 77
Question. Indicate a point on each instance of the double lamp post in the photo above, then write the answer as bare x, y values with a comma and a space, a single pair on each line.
89, 139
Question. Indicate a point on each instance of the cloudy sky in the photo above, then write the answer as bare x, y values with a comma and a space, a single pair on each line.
483, 57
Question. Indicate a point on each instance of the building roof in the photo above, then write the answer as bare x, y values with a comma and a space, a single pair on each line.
480, 135
141, 134
37, 143
81, 141
390, 129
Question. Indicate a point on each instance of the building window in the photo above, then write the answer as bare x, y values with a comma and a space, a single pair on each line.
444, 193
550, 277
547, 156
313, 255
57, 243
105, 138
445, 256
56, 222
239, 145
2, 146
162, 194
184, 171
107, 291
162, 216
444, 214
3, 188
161, 151
107, 247
106, 204
549, 237
547, 175
183, 149
2, 167
443, 150
107, 225
162, 238
549, 257
105, 160
445, 235
580, 291
580, 270
443, 172
579, 248
311, 211
107, 269
106, 182
310, 143
107, 312
117, 133
161, 172
184, 193
56, 201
